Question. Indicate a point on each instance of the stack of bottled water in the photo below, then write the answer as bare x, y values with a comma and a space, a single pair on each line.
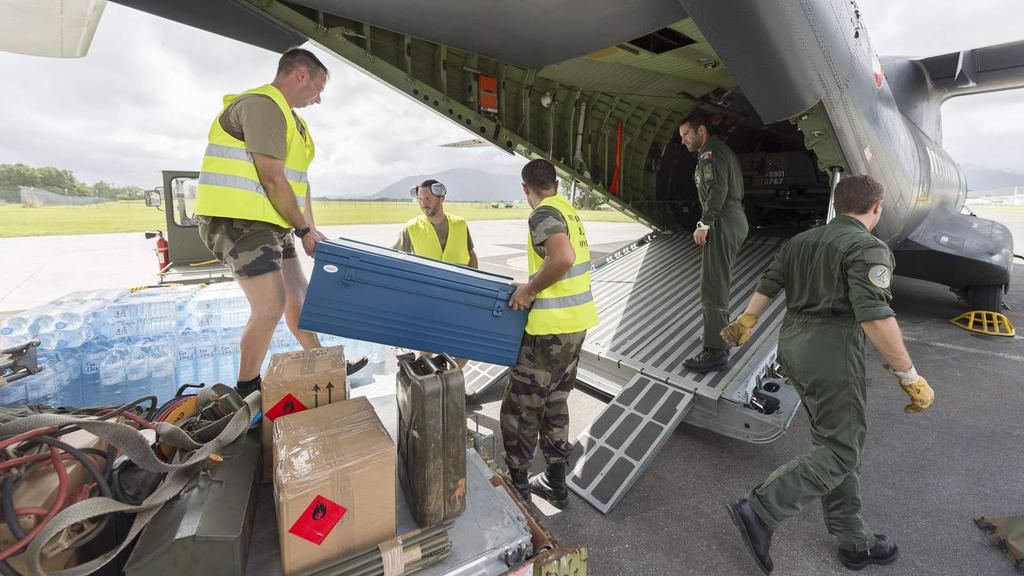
110, 346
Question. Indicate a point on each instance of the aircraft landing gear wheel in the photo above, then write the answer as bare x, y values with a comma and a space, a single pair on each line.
985, 298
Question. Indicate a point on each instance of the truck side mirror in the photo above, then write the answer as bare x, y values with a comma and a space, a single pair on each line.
154, 197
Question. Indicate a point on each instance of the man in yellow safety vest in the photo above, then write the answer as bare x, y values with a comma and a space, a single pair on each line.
252, 190
436, 234
561, 310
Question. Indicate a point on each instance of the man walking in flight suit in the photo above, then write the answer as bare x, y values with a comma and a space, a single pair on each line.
720, 233
836, 279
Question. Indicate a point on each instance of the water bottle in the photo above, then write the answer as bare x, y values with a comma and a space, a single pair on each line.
92, 356
185, 352
228, 349
13, 394
71, 390
53, 362
161, 371
377, 358
43, 387
71, 317
21, 323
206, 357
112, 377
281, 339
136, 371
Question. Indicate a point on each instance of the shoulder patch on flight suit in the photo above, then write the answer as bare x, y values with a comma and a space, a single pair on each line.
709, 172
880, 275
705, 155
696, 176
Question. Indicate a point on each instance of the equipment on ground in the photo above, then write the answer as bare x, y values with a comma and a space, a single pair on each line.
182, 255
209, 523
376, 294
985, 322
432, 437
18, 362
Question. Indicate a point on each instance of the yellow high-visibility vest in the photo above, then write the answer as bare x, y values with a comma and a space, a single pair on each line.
566, 306
426, 243
229, 185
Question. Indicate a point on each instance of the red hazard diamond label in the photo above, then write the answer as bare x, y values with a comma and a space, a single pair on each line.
287, 405
317, 521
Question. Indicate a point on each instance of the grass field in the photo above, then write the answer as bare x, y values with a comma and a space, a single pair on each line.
16, 220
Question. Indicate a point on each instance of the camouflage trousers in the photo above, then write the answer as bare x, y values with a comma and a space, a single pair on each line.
536, 399
248, 247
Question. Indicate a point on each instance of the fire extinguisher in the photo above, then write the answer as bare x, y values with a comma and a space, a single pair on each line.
163, 255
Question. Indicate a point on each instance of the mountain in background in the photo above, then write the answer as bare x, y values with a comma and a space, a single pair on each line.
463, 184
988, 182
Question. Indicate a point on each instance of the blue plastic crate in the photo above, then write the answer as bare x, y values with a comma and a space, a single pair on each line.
370, 293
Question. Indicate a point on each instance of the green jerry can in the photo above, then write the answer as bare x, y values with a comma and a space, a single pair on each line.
432, 437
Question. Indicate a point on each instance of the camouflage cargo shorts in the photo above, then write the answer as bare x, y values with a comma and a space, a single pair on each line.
249, 248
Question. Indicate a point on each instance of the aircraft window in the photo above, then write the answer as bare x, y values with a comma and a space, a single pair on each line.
662, 41
183, 192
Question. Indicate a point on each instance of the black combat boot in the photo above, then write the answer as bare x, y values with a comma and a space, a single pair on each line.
883, 552
756, 534
521, 482
355, 365
709, 359
551, 486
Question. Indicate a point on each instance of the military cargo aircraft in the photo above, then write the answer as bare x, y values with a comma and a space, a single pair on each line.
599, 87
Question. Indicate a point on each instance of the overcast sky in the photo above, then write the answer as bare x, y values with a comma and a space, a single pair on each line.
143, 98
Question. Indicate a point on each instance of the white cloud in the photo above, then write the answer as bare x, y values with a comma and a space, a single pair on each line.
143, 99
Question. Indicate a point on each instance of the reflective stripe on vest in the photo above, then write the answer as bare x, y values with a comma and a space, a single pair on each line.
229, 185
425, 242
566, 306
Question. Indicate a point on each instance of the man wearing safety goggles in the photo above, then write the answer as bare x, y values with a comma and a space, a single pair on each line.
435, 234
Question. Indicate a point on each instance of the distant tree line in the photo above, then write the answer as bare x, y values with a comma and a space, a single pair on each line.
59, 182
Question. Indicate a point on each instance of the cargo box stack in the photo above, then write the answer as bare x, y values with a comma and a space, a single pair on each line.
298, 381
334, 482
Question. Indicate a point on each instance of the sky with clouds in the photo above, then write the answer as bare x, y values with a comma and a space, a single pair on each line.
143, 98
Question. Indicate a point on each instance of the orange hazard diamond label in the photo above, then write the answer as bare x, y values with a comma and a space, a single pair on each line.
287, 405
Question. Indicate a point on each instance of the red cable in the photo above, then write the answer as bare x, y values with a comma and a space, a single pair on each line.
26, 435
139, 420
62, 492
34, 458
31, 511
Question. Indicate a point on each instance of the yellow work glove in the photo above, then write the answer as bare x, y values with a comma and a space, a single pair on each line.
738, 332
921, 394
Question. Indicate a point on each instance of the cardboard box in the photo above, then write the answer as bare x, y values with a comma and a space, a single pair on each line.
297, 381
334, 483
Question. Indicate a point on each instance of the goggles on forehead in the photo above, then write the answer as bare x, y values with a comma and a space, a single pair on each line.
437, 189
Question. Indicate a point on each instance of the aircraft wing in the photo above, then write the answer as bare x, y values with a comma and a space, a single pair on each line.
976, 71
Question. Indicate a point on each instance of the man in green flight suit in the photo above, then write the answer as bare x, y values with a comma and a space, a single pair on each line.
720, 233
836, 279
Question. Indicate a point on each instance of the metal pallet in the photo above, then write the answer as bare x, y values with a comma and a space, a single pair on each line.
621, 442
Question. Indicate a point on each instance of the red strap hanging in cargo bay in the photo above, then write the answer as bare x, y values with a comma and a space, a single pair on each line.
614, 188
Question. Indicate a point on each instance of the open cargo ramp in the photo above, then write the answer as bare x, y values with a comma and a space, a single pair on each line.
648, 299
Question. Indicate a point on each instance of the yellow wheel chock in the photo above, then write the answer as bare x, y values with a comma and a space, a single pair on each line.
985, 322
